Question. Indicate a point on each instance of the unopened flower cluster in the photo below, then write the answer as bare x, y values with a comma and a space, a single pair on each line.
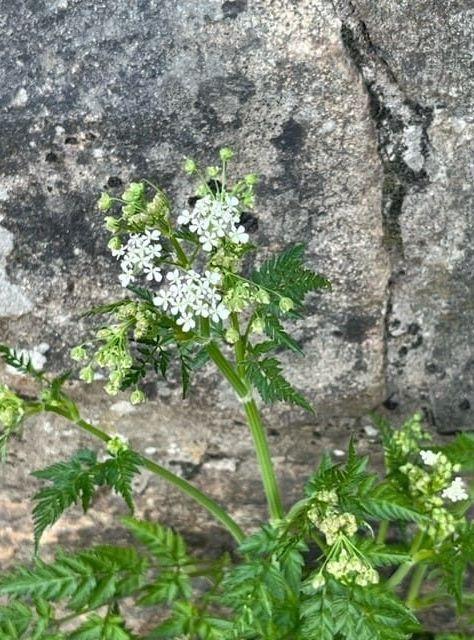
326, 517
349, 568
12, 408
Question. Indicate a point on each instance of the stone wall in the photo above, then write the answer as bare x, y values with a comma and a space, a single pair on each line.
356, 116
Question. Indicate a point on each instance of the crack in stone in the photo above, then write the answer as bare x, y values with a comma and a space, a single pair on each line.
402, 140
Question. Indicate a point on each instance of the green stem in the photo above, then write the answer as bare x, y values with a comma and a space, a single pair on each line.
179, 252
382, 532
404, 569
256, 429
201, 498
415, 584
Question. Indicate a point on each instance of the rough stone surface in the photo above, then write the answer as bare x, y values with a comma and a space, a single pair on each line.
361, 137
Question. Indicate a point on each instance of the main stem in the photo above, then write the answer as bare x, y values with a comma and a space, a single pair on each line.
257, 429
404, 569
201, 498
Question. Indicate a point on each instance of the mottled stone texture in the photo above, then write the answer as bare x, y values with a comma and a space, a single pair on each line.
356, 115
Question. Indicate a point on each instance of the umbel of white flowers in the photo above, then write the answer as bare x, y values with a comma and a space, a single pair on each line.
189, 294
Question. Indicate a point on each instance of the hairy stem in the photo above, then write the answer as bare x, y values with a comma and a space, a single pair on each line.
257, 429
201, 498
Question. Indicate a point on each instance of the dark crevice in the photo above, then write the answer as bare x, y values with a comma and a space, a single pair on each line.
403, 145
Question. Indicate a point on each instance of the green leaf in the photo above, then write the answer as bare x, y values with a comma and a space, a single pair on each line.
76, 480
19, 361
84, 579
71, 481
103, 309
109, 627
275, 331
265, 375
118, 473
286, 275
162, 542
461, 451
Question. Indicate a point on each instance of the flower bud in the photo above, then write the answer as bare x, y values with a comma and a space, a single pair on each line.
190, 166
114, 243
137, 397
105, 202
318, 581
78, 353
262, 297
258, 326
286, 304
251, 179
226, 154
87, 374
232, 335
213, 172
112, 224
117, 444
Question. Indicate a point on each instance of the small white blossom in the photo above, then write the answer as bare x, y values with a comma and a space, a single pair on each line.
456, 491
430, 458
139, 256
213, 219
190, 295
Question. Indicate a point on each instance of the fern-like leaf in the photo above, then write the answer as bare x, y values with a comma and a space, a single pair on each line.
267, 378
71, 481
286, 275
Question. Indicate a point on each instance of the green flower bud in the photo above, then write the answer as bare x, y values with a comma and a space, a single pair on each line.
232, 335
262, 297
213, 172
112, 224
133, 192
78, 353
12, 407
286, 304
251, 179
226, 154
117, 444
202, 190
87, 374
318, 581
137, 397
190, 166
114, 243
105, 202
258, 326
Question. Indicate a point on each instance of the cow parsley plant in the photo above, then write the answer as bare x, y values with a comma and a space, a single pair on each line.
362, 555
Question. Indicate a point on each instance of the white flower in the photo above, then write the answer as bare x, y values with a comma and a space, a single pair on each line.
192, 295
125, 279
213, 219
430, 458
456, 491
139, 255
153, 273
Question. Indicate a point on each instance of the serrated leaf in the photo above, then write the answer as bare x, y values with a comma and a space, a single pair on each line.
275, 331
286, 275
71, 481
265, 375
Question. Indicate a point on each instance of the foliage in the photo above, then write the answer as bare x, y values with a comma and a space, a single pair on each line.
349, 561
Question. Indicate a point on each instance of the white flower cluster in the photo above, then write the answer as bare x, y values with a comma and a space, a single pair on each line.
456, 491
139, 256
214, 219
192, 294
430, 458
